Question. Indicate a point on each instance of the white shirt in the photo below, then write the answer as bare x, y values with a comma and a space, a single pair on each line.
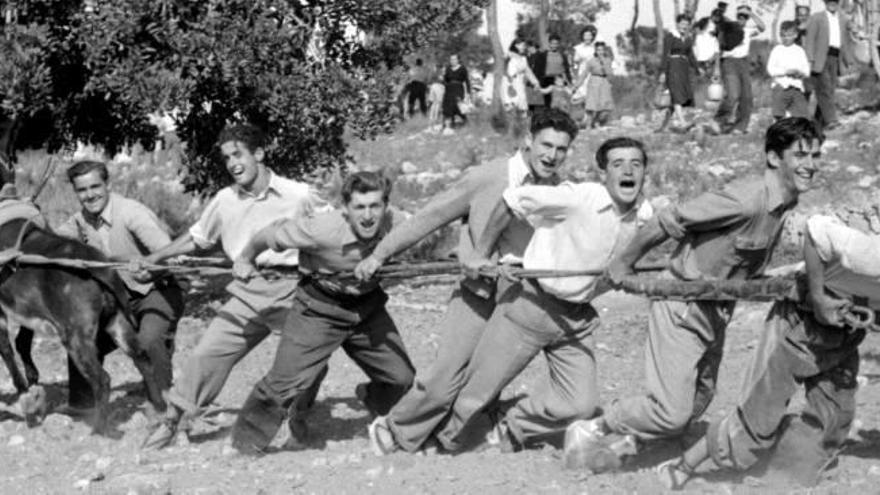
233, 216
705, 46
833, 30
783, 59
742, 50
851, 257
577, 227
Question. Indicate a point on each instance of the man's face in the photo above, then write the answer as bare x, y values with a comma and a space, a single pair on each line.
243, 165
554, 45
742, 18
91, 191
788, 36
801, 15
832, 6
547, 150
364, 212
798, 165
624, 176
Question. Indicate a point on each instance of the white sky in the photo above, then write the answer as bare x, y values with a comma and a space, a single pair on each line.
619, 18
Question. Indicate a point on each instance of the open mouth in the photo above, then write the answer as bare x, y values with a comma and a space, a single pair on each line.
627, 184
805, 174
367, 224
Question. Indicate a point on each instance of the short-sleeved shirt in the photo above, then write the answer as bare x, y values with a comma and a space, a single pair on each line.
742, 50
125, 229
728, 234
851, 258
233, 216
566, 219
327, 245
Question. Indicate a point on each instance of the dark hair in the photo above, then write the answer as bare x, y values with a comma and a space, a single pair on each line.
599, 43
553, 118
702, 24
513, 48
788, 26
364, 182
804, 8
84, 167
682, 17
591, 29
251, 136
618, 142
554, 36
785, 132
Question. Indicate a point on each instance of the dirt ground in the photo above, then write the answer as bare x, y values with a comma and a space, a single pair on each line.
61, 456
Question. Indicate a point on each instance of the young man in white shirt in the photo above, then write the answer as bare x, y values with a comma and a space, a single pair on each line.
805, 343
788, 66
826, 42
552, 316
736, 77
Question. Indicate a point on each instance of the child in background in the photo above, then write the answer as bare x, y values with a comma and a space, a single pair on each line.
788, 66
561, 94
435, 99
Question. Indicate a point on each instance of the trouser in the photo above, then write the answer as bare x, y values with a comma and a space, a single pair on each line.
256, 308
529, 322
791, 100
417, 92
824, 85
315, 328
156, 314
794, 350
548, 80
683, 352
737, 94
420, 411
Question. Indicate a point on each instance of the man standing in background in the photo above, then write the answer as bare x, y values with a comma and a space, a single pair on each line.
827, 46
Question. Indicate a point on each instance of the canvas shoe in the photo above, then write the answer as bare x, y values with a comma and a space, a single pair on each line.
381, 439
673, 474
163, 436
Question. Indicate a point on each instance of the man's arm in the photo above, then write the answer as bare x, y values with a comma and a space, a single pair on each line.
759, 24
650, 235
499, 219
182, 245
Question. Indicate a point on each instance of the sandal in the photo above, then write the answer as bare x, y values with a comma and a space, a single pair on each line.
674, 474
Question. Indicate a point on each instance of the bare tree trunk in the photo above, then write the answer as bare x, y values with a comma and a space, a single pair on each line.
543, 20
658, 19
777, 17
676, 8
498, 55
873, 14
695, 4
633, 33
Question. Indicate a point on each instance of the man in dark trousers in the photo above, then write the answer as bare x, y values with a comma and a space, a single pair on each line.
827, 45
549, 64
417, 89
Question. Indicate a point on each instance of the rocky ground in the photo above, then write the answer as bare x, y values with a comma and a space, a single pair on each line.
61, 456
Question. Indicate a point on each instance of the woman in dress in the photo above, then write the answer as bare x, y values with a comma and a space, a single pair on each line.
514, 93
457, 88
583, 53
675, 70
598, 102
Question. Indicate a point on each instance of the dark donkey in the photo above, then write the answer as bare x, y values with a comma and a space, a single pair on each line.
76, 305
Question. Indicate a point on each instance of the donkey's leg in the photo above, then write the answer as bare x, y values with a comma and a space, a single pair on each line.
84, 352
120, 329
23, 344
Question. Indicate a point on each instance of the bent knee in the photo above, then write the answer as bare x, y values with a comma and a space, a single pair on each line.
581, 408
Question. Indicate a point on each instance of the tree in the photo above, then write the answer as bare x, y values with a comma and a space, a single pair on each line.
544, 16
498, 65
307, 72
658, 19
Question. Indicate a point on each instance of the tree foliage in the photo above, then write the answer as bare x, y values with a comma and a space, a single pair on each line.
307, 72
565, 18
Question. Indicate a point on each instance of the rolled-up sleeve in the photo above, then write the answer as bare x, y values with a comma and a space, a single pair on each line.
295, 233
543, 201
854, 250
206, 231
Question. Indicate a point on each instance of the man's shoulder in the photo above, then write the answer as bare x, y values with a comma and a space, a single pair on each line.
128, 207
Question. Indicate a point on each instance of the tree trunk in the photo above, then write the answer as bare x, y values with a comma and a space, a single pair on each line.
658, 19
676, 8
633, 33
873, 9
543, 20
777, 17
498, 55
692, 9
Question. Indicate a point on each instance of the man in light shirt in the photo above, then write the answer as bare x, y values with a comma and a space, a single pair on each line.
552, 316
827, 45
805, 343
124, 229
788, 66
257, 306
412, 421
736, 77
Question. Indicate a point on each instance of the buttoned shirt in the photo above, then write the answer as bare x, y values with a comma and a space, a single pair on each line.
124, 229
782, 60
577, 227
728, 234
851, 259
327, 244
234, 215
833, 30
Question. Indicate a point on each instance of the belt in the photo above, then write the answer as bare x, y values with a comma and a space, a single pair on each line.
311, 287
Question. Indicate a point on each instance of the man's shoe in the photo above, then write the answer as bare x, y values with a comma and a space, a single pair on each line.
362, 394
587, 447
162, 436
502, 437
299, 435
673, 474
381, 439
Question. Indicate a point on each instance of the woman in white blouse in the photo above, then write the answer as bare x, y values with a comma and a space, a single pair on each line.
514, 93
583, 53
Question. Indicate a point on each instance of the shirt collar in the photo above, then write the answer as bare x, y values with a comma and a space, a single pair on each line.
519, 173
833, 16
106, 215
272, 186
604, 202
